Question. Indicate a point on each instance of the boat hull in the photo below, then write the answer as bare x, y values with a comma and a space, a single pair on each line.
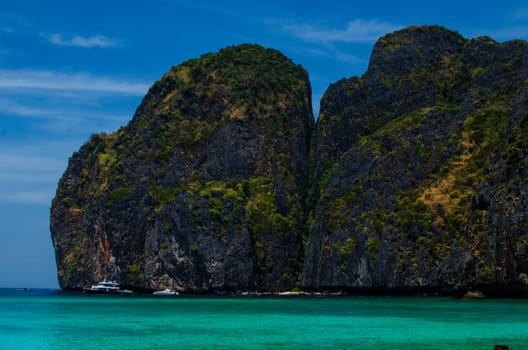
165, 293
100, 291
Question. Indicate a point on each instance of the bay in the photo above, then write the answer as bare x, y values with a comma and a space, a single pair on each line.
54, 320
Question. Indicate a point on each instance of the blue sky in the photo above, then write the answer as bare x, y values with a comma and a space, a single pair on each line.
69, 69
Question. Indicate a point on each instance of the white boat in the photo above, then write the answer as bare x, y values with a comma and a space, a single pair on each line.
104, 287
165, 292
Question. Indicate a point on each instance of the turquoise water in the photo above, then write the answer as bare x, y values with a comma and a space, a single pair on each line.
45, 320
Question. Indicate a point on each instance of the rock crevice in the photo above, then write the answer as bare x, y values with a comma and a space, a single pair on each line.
413, 178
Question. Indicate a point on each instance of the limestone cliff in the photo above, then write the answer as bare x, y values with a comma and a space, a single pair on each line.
420, 168
413, 179
204, 189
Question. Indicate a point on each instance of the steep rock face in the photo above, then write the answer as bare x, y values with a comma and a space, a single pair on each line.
204, 189
420, 168
416, 178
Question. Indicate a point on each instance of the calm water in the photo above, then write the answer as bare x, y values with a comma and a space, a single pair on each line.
47, 320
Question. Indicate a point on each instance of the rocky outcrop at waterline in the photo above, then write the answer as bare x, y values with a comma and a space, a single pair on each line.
414, 177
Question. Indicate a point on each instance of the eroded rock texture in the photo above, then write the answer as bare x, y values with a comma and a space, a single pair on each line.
413, 179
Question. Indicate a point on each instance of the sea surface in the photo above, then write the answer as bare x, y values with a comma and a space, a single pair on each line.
44, 319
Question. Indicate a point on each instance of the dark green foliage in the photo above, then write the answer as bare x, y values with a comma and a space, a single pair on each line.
261, 212
347, 249
212, 164
134, 273
517, 147
415, 175
118, 194
486, 275
161, 194
407, 161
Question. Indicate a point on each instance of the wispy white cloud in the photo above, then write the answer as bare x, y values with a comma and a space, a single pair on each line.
7, 30
345, 57
29, 160
81, 121
355, 31
99, 41
45, 111
29, 173
10, 107
29, 178
52, 80
27, 197
330, 51
11, 23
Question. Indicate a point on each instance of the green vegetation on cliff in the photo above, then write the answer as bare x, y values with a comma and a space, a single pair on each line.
204, 188
413, 178
413, 167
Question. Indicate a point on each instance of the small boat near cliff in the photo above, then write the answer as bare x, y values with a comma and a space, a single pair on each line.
104, 287
165, 293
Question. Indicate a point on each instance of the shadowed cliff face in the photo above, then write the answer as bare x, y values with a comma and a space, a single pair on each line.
416, 185
414, 178
204, 188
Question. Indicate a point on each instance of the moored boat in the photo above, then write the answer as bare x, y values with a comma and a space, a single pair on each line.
165, 292
104, 287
